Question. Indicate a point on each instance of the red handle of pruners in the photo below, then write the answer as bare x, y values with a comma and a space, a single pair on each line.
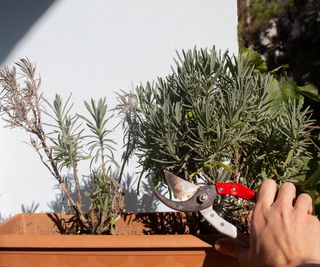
235, 189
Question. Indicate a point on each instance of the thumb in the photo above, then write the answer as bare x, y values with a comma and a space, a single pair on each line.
231, 247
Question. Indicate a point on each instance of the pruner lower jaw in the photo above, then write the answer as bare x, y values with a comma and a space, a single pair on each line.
193, 197
196, 198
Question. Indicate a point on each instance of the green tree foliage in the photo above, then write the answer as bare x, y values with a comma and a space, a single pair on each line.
285, 32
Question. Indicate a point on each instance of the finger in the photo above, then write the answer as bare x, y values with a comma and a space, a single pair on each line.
231, 247
286, 195
267, 192
304, 203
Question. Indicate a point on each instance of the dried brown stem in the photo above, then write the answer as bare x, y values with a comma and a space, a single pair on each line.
21, 107
76, 179
312, 127
316, 146
75, 205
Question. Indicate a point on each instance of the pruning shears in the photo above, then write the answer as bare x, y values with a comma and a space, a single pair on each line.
202, 198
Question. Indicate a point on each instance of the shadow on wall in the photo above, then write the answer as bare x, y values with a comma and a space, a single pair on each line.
61, 203
146, 201
16, 19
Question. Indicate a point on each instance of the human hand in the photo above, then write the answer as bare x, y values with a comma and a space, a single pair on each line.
283, 230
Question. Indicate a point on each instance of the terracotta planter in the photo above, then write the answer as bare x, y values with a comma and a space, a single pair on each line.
36, 240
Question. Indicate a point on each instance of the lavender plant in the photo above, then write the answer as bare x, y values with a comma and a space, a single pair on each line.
62, 145
215, 118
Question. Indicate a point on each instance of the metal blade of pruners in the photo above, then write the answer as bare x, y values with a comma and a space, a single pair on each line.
196, 198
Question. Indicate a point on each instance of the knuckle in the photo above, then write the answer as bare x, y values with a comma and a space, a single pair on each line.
260, 215
281, 208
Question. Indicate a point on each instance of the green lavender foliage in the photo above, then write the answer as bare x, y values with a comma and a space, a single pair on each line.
106, 201
215, 108
105, 196
100, 147
70, 146
66, 134
282, 90
217, 118
61, 142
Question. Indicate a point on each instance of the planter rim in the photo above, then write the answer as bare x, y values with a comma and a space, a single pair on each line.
23, 239
38, 242
100, 242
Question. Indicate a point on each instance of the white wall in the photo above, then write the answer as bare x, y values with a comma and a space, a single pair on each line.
93, 49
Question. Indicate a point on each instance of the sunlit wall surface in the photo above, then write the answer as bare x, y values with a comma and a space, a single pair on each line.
94, 49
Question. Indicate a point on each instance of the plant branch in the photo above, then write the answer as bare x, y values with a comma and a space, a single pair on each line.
76, 178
